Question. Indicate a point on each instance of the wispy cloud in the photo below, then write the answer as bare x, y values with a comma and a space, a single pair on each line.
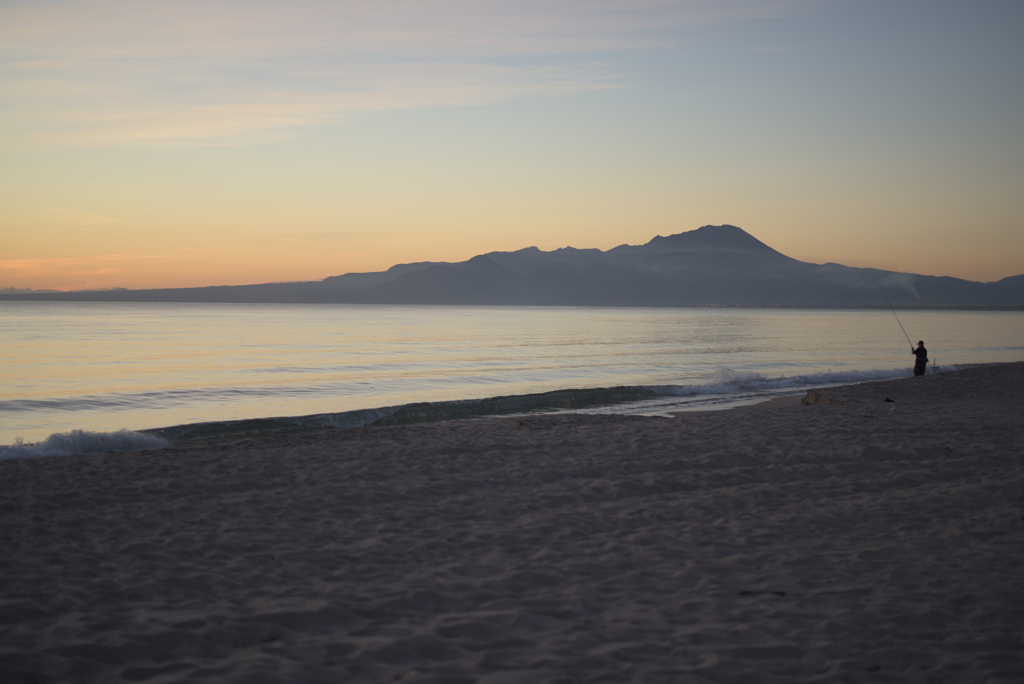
22, 267
75, 273
110, 107
114, 71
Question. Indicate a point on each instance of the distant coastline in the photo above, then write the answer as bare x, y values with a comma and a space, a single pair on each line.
143, 300
711, 267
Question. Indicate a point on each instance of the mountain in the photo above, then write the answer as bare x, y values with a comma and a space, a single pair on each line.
710, 266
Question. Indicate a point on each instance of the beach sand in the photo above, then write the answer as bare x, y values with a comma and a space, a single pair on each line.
870, 542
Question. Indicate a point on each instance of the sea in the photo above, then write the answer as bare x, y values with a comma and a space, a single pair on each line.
91, 377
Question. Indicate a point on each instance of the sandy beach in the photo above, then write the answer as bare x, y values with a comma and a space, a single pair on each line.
873, 541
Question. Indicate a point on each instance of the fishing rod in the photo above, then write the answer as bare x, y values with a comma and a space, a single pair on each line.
894, 314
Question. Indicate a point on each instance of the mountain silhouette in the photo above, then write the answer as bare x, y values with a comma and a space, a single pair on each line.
709, 266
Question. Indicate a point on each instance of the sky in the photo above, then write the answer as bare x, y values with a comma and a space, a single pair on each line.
186, 143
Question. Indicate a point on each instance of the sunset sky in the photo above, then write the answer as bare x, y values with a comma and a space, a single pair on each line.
185, 143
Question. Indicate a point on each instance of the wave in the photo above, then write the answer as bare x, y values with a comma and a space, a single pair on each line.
84, 442
730, 386
407, 414
726, 381
724, 387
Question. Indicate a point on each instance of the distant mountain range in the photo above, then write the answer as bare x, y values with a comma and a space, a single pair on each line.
710, 266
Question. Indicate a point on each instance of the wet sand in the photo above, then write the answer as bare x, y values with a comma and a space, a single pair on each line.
868, 542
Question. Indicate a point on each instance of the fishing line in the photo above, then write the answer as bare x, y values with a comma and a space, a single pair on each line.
894, 313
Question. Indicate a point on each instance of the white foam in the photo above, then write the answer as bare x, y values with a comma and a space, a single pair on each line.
727, 381
83, 442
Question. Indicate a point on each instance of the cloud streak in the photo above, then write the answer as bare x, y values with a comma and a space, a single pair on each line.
215, 72
22, 266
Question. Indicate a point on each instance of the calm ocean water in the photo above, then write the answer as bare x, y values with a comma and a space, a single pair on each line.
109, 366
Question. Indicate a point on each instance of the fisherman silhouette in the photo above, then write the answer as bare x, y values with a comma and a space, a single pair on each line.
922, 358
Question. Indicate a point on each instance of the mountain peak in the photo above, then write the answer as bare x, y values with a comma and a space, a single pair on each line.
724, 237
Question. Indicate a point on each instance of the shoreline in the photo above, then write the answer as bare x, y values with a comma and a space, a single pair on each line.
612, 400
774, 403
83, 296
874, 541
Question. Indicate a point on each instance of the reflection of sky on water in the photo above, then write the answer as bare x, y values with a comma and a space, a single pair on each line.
107, 366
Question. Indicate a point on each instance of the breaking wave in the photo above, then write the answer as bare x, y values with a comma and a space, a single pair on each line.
84, 442
727, 381
721, 389
421, 412
725, 386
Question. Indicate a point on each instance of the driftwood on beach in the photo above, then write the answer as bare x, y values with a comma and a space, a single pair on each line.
875, 541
